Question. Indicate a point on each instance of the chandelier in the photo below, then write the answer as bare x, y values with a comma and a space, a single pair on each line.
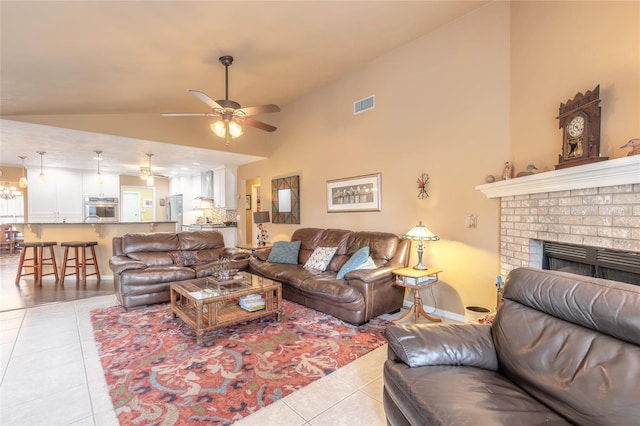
8, 192
145, 171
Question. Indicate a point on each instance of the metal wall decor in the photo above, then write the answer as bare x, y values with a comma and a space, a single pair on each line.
422, 181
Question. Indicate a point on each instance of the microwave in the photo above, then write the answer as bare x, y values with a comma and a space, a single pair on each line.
101, 209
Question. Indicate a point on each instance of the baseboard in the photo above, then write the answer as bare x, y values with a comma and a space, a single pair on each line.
438, 312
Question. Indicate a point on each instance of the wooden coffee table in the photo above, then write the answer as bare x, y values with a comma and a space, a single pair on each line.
205, 308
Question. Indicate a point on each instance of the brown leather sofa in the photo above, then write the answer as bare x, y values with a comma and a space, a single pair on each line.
563, 349
144, 264
362, 294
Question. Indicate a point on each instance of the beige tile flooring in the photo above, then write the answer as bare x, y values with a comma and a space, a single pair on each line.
51, 374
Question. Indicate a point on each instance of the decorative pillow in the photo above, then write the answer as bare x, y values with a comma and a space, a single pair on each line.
369, 264
284, 252
184, 258
320, 258
356, 259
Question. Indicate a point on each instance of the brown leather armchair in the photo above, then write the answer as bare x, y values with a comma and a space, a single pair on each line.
563, 349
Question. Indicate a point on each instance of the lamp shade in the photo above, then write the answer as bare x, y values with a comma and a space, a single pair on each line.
261, 217
420, 233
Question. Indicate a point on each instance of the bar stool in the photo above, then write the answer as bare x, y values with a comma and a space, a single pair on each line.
79, 263
37, 260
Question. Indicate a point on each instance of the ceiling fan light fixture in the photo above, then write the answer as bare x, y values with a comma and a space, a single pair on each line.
219, 128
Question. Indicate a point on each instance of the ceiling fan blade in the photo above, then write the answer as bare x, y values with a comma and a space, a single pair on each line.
260, 109
259, 124
187, 114
206, 99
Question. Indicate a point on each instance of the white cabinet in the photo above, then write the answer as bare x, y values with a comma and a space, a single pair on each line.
230, 236
58, 199
110, 186
224, 187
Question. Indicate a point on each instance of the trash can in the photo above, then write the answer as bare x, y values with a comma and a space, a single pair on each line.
473, 313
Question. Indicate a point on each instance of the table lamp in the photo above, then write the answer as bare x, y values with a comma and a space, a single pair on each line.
420, 233
259, 218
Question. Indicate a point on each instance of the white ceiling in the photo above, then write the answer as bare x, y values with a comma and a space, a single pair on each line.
141, 57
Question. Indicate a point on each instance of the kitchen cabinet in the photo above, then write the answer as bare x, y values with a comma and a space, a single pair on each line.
58, 199
224, 187
110, 186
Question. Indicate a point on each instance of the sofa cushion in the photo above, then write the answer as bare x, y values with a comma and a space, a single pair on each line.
284, 252
445, 395
150, 242
358, 258
201, 240
184, 258
368, 264
324, 286
572, 343
320, 258
152, 258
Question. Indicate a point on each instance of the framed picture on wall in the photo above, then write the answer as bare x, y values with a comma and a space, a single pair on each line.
354, 194
148, 202
247, 202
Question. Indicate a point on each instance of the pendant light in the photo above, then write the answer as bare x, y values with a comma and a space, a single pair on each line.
23, 183
150, 177
41, 178
99, 179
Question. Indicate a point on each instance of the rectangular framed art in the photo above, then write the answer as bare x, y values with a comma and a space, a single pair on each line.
354, 194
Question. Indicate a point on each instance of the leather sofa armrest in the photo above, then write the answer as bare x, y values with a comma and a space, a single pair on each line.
119, 264
369, 275
420, 345
262, 254
234, 254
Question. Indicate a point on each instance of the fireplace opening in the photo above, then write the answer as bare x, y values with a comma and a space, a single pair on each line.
596, 262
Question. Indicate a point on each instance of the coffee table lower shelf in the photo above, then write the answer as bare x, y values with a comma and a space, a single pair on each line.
215, 312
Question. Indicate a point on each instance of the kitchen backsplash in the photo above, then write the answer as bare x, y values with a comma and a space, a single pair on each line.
217, 216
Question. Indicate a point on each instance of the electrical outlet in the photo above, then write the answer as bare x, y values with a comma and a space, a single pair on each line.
471, 220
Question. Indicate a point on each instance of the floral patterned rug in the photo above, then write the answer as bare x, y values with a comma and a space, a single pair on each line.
158, 375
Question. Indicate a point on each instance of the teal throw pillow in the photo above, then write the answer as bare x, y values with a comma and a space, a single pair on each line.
356, 259
284, 252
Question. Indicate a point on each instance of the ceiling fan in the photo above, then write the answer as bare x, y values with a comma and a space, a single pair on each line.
231, 114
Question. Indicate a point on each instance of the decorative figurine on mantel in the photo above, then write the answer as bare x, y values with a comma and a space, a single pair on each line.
507, 172
529, 171
635, 145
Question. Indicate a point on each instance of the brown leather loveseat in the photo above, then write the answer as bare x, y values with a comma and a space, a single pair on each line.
144, 264
357, 297
563, 349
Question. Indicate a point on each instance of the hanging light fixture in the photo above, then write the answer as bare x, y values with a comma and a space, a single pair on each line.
99, 179
41, 178
23, 183
8, 191
150, 176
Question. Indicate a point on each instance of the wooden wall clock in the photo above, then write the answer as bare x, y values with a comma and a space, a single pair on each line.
579, 119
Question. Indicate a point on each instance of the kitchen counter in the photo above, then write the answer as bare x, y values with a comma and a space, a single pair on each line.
196, 226
101, 232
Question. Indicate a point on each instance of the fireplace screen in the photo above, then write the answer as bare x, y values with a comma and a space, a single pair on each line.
592, 261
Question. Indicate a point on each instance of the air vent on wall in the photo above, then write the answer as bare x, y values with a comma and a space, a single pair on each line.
364, 104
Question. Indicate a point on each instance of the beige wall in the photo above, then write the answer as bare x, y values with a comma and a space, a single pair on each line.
442, 108
457, 104
559, 49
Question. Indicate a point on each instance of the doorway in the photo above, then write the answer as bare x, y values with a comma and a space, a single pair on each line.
130, 207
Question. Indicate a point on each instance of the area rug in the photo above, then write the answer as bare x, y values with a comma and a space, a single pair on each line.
158, 375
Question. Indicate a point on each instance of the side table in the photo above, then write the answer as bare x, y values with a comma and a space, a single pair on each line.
252, 247
416, 280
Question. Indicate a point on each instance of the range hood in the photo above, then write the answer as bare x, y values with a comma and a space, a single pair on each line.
206, 186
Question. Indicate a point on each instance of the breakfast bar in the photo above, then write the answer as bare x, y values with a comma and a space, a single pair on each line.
101, 232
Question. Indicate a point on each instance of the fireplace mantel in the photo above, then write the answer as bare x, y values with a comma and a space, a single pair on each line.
619, 171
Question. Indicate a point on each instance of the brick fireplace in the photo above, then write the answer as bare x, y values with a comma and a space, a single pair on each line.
595, 205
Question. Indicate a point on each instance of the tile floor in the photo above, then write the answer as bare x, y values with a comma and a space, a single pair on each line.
51, 374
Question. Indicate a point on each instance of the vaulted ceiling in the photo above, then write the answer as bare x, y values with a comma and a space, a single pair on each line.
135, 59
